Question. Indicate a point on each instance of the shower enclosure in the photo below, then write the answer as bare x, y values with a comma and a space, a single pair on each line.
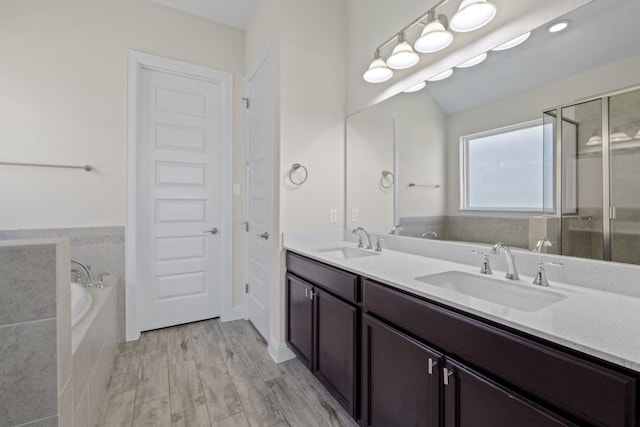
593, 191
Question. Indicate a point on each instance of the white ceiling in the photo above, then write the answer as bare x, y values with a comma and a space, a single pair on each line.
236, 13
600, 33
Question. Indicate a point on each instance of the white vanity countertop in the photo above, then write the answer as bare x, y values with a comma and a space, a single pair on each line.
603, 324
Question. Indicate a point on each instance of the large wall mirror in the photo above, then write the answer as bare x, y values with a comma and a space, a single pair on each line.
539, 140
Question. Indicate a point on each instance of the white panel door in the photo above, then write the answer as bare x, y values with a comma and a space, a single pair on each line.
260, 241
179, 212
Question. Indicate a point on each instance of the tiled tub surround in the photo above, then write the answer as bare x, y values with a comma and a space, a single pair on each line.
102, 247
93, 344
600, 315
35, 332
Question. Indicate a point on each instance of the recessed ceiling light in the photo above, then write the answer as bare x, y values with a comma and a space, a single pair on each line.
415, 87
441, 76
473, 61
513, 42
556, 27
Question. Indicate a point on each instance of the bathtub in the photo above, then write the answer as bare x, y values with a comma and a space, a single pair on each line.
81, 300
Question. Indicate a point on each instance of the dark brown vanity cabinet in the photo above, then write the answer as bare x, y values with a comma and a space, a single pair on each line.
401, 378
322, 328
396, 359
560, 388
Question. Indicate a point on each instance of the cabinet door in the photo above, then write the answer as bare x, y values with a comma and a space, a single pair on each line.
300, 319
336, 347
474, 401
401, 378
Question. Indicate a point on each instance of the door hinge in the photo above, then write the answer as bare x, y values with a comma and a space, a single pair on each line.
246, 288
246, 226
246, 103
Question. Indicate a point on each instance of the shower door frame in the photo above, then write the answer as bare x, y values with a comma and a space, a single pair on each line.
607, 207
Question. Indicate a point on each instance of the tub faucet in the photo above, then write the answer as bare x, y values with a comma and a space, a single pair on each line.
366, 235
512, 273
87, 272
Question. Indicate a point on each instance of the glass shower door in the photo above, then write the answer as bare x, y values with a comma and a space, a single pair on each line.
624, 153
581, 180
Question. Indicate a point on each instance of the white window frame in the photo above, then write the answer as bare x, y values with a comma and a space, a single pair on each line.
464, 163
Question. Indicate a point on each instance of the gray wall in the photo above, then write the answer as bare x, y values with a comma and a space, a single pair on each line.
101, 247
32, 321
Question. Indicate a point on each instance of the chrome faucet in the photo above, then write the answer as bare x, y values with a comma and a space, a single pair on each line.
542, 245
87, 271
512, 273
396, 229
426, 235
366, 235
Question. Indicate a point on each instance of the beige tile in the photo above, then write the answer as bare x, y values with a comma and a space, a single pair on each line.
154, 345
294, 404
193, 417
117, 409
220, 392
81, 414
179, 347
184, 384
267, 368
98, 382
237, 420
28, 394
64, 338
29, 283
235, 356
154, 413
65, 405
153, 380
241, 331
124, 376
205, 341
259, 404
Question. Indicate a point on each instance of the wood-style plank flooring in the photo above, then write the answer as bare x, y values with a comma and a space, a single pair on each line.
214, 374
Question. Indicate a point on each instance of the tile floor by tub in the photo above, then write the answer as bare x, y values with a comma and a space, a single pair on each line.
215, 374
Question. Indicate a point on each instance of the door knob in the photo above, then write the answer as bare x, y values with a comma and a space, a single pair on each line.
214, 230
264, 236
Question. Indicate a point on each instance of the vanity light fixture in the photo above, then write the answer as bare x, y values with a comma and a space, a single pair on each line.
415, 87
594, 140
441, 76
378, 71
435, 36
619, 136
558, 26
403, 55
513, 42
473, 14
473, 61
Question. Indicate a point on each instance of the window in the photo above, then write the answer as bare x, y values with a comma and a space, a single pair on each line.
502, 170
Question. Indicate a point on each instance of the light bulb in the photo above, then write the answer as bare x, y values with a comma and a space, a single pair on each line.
434, 37
378, 71
472, 14
619, 137
473, 61
441, 76
415, 87
513, 42
403, 55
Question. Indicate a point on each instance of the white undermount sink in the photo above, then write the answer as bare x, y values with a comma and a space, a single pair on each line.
519, 297
347, 252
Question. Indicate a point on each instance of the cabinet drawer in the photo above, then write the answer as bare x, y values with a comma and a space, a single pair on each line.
338, 282
594, 393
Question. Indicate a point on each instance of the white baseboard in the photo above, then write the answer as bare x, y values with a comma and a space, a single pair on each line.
236, 313
280, 352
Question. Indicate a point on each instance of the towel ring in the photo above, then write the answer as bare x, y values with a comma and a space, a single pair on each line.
294, 168
386, 174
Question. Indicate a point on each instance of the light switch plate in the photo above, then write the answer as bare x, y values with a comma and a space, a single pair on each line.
354, 215
333, 216
236, 189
